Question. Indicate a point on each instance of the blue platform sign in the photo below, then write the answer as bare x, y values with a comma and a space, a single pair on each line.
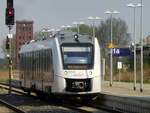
122, 52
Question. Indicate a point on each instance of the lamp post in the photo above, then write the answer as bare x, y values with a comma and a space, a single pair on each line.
66, 27
111, 41
134, 6
78, 25
46, 32
63, 27
141, 35
93, 21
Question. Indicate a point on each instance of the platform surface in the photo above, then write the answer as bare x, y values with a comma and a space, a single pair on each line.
126, 90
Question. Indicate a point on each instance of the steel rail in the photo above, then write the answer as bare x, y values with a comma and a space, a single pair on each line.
57, 103
68, 105
106, 108
12, 107
75, 108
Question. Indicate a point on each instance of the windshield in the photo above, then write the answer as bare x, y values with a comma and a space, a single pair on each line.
77, 57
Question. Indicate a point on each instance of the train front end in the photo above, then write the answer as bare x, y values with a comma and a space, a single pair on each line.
79, 70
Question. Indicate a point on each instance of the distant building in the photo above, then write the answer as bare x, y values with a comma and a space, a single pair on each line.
24, 33
148, 40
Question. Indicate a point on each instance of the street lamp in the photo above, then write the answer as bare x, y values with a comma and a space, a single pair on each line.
134, 6
66, 27
52, 32
78, 25
93, 20
141, 35
69, 26
47, 32
111, 57
63, 26
44, 32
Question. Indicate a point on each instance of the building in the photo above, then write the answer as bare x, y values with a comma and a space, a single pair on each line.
148, 40
24, 33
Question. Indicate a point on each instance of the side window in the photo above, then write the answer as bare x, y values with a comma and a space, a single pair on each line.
41, 61
46, 60
20, 62
33, 62
24, 61
51, 59
30, 62
40, 65
38, 62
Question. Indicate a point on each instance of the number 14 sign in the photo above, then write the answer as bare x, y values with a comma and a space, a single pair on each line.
122, 52
116, 51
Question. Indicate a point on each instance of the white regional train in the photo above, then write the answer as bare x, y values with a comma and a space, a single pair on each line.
67, 64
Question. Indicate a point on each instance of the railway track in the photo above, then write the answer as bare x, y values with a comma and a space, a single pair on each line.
86, 109
12, 107
89, 108
18, 90
105, 108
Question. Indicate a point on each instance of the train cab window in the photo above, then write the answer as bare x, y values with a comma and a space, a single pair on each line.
78, 56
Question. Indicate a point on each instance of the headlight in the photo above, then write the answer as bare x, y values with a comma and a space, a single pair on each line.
90, 73
65, 72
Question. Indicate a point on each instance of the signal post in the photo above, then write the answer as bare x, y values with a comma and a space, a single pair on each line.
9, 21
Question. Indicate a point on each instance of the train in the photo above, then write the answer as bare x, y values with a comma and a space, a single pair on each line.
65, 64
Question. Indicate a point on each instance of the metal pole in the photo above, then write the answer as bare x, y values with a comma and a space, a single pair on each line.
134, 50
10, 64
10, 4
93, 28
111, 57
103, 69
141, 34
119, 75
78, 27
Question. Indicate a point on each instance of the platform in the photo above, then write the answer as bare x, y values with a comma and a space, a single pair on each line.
126, 89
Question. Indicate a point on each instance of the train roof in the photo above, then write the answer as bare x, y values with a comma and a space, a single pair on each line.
62, 37
35, 45
74, 38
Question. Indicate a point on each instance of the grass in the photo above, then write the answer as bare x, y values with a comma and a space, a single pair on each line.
3, 75
3, 79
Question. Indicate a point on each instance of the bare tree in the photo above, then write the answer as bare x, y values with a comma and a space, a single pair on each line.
3, 47
119, 31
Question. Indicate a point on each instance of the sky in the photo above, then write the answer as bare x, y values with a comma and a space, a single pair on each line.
55, 13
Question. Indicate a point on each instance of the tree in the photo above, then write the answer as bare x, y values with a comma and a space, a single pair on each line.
120, 37
84, 29
119, 31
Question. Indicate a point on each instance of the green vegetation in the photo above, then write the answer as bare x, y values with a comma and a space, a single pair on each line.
3, 79
3, 64
84, 29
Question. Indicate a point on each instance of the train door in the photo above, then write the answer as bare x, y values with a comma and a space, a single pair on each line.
48, 68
